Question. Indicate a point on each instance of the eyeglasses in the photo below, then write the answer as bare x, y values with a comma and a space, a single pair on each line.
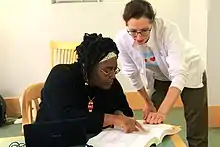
143, 32
116, 71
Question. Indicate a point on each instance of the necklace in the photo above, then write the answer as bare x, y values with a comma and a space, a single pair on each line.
90, 104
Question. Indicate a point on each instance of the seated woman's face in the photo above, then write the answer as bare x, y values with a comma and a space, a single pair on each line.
104, 74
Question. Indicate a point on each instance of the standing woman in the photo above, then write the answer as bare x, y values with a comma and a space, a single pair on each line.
156, 49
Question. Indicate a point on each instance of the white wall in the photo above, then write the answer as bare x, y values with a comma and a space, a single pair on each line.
25, 34
198, 25
213, 55
28, 26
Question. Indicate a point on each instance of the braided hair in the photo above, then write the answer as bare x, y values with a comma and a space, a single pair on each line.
92, 50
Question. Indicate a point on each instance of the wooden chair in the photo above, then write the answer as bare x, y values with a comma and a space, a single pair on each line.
30, 103
63, 52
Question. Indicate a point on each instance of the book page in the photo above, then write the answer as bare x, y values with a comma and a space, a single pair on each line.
160, 130
117, 138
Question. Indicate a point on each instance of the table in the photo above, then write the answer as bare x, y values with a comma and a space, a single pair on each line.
177, 141
171, 141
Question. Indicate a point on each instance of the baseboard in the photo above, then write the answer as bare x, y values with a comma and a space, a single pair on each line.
13, 106
214, 116
135, 101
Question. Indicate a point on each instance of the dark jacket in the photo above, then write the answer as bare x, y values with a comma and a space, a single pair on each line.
65, 96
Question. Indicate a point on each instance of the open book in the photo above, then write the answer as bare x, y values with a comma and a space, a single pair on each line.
113, 137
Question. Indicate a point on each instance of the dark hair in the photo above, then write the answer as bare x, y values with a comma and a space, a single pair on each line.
137, 9
92, 50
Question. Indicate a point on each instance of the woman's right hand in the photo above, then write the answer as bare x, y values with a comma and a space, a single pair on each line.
149, 107
127, 124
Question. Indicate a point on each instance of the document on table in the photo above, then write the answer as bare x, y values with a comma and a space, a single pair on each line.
110, 138
116, 138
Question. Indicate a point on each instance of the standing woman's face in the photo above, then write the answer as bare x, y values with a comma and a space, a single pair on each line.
104, 73
139, 29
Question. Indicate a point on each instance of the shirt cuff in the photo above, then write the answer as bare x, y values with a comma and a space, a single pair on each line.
178, 82
136, 82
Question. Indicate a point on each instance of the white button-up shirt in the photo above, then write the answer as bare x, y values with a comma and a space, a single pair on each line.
178, 60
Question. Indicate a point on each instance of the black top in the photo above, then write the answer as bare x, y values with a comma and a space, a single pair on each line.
65, 96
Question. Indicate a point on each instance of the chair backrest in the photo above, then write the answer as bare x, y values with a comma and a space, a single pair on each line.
31, 96
63, 52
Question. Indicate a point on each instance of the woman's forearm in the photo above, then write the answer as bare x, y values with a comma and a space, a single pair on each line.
108, 120
168, 102
144, 95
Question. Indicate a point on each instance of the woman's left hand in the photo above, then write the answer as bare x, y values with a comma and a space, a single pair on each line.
155, 118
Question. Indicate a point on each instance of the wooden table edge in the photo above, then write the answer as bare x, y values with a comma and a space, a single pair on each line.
177, 141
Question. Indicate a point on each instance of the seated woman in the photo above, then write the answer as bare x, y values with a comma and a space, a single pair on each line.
88, 88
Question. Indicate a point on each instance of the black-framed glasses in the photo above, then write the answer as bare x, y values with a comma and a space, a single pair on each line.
116, 71
143, 32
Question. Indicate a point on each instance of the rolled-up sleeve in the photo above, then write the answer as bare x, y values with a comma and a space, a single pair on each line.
128, 66
178, 57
